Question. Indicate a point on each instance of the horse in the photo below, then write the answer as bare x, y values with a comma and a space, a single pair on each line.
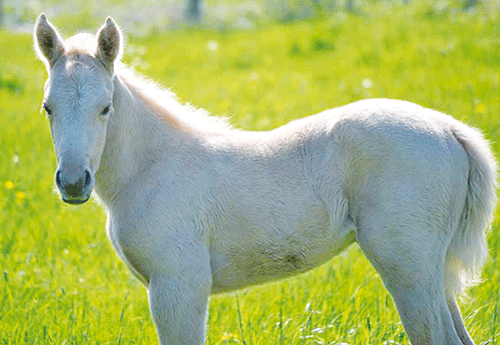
196, 207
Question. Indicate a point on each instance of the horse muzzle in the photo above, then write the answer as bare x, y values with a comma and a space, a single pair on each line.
75, 184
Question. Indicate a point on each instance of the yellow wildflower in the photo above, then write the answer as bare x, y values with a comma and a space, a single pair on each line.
20, 196
481, 108
9, 184
226, 337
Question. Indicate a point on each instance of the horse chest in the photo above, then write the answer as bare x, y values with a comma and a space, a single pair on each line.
132, 248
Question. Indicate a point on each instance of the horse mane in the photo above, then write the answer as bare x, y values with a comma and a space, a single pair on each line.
165, 104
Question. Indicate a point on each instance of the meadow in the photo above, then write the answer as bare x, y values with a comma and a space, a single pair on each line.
62, 283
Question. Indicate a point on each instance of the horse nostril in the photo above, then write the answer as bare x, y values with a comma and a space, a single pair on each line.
88, 178
74, 184
58, 178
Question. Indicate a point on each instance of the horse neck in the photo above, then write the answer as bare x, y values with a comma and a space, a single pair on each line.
137, 136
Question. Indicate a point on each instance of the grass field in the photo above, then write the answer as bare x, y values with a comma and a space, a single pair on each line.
60, 280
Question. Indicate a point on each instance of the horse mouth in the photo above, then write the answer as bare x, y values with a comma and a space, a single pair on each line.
76, 201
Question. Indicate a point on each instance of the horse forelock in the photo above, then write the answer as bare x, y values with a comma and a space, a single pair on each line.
79, 59
82, 43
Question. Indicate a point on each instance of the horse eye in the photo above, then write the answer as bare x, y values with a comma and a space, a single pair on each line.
106, 110
47, 109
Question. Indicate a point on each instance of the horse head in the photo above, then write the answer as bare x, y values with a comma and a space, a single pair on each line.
78, 101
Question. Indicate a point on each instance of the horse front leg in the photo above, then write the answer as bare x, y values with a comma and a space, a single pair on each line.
178, 301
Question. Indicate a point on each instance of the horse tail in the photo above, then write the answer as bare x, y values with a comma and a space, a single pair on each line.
468, 250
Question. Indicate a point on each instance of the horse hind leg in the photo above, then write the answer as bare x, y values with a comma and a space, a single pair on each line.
452, 284
457, 321
411, 262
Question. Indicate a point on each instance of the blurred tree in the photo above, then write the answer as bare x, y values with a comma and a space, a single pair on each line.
193, 10
470, 3
350, 5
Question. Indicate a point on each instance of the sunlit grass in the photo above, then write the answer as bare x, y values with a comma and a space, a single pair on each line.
61, 282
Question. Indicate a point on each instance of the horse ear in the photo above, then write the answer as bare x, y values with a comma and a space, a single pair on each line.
48, 42
109, 42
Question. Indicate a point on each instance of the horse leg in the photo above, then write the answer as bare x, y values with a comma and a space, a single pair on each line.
457, 320
411, 263
178, 303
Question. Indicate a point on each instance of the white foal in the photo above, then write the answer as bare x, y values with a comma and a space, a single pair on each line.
196, 207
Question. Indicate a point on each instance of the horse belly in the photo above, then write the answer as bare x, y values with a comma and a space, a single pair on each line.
281, 253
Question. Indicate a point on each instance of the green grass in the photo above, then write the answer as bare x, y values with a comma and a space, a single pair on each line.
61, 282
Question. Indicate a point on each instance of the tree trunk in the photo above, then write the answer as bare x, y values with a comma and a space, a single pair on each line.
1, 13
193, 10
350, 5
